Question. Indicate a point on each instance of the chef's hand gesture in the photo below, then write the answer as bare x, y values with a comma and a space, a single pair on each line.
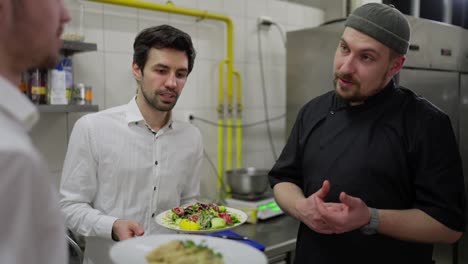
310, 214
354, 213
126, 229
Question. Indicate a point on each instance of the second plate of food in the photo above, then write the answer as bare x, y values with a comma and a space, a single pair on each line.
161, 248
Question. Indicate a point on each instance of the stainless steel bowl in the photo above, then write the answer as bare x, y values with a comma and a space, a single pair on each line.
248, 181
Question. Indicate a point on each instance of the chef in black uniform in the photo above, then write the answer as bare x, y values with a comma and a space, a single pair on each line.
370, 169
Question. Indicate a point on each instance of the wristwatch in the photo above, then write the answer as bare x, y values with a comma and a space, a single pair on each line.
371, 228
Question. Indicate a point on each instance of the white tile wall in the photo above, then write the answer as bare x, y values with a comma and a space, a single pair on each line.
256, 8
114, 28
207, 83
235, 7
120, 85
277, 10
192, 4
89, 68
251, 40
239, 25
211, 42
295, 14
120, 28
148, 18
210, 5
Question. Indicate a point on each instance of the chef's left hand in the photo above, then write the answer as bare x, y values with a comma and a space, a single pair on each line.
353, 213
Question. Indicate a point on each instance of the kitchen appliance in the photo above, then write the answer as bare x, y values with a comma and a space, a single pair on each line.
436, 67
263, 205
251, 193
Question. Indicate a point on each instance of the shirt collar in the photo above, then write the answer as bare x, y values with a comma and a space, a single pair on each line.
133, 114
17, 105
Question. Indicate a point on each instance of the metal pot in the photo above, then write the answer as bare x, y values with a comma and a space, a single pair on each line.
248, 181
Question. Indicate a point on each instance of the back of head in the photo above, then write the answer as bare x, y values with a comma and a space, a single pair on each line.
384, 23
160, 37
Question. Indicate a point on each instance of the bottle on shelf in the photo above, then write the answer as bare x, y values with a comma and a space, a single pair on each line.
38, 85
60, 79
23, 86
79, 94
89, 94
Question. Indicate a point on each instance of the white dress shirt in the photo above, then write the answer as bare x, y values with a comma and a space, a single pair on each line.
118, 168
32, 229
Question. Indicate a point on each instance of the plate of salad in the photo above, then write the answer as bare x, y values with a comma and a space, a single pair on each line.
201, 218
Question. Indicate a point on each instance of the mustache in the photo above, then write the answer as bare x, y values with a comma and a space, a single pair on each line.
346, 77
175, 93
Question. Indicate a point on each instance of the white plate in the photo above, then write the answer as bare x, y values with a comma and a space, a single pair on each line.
134, 251
160, 219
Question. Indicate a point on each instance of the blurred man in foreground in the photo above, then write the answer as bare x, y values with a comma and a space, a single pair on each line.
31, 227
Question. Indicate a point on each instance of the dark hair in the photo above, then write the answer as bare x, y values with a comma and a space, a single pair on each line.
160, 37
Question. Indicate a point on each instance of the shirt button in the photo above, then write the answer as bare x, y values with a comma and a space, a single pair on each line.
154, 189
332, 112
156, 163
136, 123
152, 215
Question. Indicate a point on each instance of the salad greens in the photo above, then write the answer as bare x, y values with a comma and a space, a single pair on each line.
201, 216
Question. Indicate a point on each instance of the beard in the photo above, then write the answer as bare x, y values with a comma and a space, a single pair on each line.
154, 100
353, 93
350, 94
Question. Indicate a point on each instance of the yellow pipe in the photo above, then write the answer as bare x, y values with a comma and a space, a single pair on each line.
229, 116
221, 85
221, 122
239, 143
239, 90
229, 144
220, 150
239, 121
170, 8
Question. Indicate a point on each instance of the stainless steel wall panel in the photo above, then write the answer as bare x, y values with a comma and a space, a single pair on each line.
418, 54
440, 88
444, 48
463, 60
309, 59
434, 45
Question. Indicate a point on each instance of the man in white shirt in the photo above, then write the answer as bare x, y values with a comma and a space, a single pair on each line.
31, 227
127, 164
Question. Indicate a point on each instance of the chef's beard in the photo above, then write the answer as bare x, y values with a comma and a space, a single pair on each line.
355, 96
352, 97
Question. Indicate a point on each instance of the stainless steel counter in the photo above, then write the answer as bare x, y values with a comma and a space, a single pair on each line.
277, 234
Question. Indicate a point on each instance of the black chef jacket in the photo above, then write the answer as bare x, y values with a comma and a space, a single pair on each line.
395, 151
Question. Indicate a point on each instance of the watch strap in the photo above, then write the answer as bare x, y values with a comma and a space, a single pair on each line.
373, 225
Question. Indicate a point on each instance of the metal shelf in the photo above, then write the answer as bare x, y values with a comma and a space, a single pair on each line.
71, 47
67, 108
